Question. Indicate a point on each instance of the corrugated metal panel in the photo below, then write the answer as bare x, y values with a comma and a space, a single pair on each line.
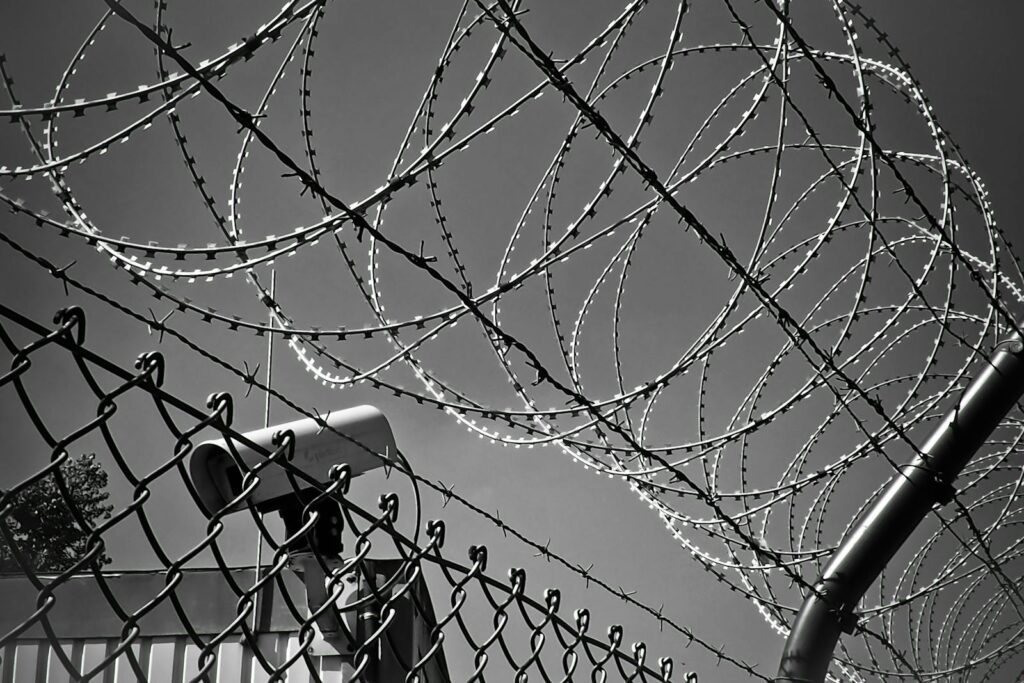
81, 610
162, 660
89, 631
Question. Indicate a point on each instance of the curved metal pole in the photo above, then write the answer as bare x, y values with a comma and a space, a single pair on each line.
928, 480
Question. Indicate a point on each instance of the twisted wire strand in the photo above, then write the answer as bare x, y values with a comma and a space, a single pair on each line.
865, 308
369, 528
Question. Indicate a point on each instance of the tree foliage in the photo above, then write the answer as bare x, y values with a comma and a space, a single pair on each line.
42, 525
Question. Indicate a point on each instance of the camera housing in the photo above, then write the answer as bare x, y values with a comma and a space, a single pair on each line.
360, 437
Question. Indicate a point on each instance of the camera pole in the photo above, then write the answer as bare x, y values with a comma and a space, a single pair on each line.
925, 482
266, 423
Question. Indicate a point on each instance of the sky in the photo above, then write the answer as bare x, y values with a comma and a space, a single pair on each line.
372, 63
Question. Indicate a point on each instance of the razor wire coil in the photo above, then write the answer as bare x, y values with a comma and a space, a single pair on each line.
916, 273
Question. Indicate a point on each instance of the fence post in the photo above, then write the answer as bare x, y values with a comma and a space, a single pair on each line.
927, 481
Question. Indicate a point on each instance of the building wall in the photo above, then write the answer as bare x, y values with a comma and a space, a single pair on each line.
162, 659
86, 630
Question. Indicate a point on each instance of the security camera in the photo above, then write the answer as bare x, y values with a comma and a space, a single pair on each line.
359, 437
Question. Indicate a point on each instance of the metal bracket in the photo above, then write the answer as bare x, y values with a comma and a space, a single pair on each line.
944, 491
845, 617
336, 628
847, 620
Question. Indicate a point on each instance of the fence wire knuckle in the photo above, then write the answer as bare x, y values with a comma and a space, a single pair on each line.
858, 311
383, 595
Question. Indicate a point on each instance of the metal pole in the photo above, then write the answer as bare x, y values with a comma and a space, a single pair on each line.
266, 423
928, 480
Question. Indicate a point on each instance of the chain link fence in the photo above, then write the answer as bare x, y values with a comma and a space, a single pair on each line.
492, 626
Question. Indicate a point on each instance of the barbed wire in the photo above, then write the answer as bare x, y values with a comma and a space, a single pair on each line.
829, 327
372, 531
448, 493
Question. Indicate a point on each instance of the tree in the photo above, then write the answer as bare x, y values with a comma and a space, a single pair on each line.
41, 522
